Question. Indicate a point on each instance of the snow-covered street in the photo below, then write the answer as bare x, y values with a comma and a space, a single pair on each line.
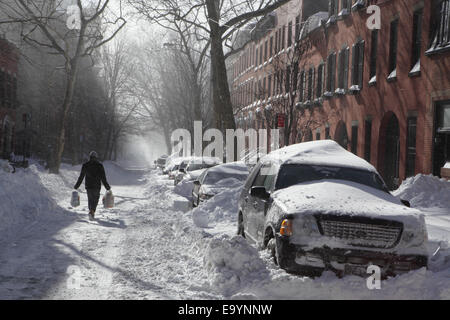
151, 246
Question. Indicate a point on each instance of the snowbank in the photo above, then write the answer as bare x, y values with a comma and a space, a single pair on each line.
223, 207
425, 191
23, 199
184, 189
233, 264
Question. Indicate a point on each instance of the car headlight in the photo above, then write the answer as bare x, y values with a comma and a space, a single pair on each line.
417, 237
309, 225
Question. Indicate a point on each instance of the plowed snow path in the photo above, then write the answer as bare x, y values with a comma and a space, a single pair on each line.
129, 252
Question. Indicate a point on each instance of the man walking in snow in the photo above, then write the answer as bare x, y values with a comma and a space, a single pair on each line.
95, 175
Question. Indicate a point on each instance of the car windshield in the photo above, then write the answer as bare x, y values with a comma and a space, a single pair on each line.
292, 174
214, 177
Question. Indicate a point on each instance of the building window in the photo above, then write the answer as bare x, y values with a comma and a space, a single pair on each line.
256, 57
327, 131
411, 146
393, 45
297, 28
342, 72
271, 47
354, 142
269, 85
416, 43
333, 7
276, 42
310, 92
318, 134
373, 56
265, 50
367, 139
440, 26
301, 96
283, 37
288, 80
345, 8
289, 35
357, 66
331, 74
320, 76
261, 54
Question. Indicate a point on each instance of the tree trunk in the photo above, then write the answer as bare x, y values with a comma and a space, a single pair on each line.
223, 109
71, 69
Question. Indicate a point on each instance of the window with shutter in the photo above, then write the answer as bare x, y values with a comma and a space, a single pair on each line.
439, 26
265, 50
373, 56
289, 35
361, 46
393, 43
331, 66
357, 67
320, 74
416, 43
301, 86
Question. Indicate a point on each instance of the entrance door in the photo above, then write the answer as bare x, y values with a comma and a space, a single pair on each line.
392, 153
341, 135
441, 145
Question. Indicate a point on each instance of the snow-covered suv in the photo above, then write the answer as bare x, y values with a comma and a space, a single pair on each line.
318, 207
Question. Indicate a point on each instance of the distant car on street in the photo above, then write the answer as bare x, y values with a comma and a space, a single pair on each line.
190, 169
217, 179
161, 161
315, 206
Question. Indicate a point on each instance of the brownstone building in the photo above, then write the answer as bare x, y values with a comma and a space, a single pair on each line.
382, 91
8, 99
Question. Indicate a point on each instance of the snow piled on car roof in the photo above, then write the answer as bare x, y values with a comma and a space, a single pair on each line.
324, 152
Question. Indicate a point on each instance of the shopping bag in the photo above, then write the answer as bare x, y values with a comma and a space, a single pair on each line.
75, 201
108, 200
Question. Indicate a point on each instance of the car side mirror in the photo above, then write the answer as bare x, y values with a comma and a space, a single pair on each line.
259, 192
196, 182
183, 170
406, 203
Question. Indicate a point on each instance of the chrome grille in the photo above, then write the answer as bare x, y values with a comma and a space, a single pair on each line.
378, 235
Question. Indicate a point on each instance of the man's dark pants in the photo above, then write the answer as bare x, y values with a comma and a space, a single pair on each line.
93, 197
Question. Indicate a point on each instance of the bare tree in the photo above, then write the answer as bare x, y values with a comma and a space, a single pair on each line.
217, 20
44, 23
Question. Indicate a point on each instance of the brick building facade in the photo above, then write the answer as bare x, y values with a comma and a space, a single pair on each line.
8, 97
384, 94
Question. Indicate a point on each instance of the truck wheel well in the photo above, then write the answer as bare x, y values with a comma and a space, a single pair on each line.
268, 234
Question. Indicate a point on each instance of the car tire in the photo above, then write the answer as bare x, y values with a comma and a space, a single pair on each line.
241, 230
273, 249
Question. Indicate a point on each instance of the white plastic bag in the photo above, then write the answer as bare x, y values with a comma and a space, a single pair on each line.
75, 201
108, 200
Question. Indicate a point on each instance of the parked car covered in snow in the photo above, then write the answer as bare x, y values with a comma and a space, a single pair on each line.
193, 167
161, 161
217, 179
318, 207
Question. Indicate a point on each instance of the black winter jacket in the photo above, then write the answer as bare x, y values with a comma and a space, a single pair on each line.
95, 175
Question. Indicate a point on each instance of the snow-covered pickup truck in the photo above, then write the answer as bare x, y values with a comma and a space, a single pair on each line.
318, 207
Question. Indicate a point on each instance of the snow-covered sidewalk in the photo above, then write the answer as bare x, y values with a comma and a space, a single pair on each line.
151, 247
